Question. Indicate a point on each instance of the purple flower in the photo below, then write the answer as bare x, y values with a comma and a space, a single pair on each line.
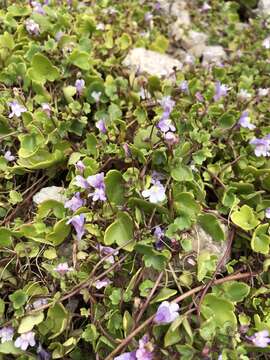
8, 156
156, 193
166, 125
62, 268
78, 223
263, 92
80, 166
81, 182
148, 17
221, 91
126, 150
100, 26
75, 202
58, 35
171, 139
145, 351
37, 8
244, 121
96, 95
106, 250
267, 213
262, 146
205, 7
80, 85
16, 109
127, 356
6, 334
167, 312
32, 27
47, 109
199, 96
184, 87
25, 340
99, 284
97, 182
159, 235
39, 302
42, 353
100, 124
260, 339
219, 357
157, 176
167, 104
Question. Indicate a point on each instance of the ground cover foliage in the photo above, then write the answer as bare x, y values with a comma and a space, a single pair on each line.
108, 268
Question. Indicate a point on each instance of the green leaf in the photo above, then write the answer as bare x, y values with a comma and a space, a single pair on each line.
18, 299
212, 226
172, 337
59, 233
128, 322
42, 69
260, 241
124, 42
182, 173
5, 237
236, 291
80, 59
115, 187
164, 294
15, 197
120, 232
8, 347
206, 263
228, 119
90, 333
186, 205
245, 218
28, 322
152, 257
221, 309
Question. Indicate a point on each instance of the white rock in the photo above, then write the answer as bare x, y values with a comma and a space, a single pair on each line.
173, 8
213, 54
151, 62
195, 42
50, 193
264, 7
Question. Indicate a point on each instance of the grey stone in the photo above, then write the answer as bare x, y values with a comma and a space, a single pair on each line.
264, 7
50, 193
151, 62
194, 42
214, 54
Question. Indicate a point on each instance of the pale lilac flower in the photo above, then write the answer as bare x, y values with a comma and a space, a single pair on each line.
165, 125
262, 146
266, 43
6, 334
16, 109
157, 176
81, 182
144, 94
126, 150
244, 121
99, 284
171, 139
205, 7
145, 351
221, 91
80, 166
98, 194
159, 235
32, 27
39, 302
100, 26
37, 8
59, 35
75, 202
260, 339
62, 268
267, 213
184, 87
8, 156
107, 250
25, 340
167, 312
244, 95
79, 85
167, 104
199, 96
97, 182
96, 95
127, 356
156, 193
47, 109
100, 124
78, 223
148, 17
263, 92
219, 357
